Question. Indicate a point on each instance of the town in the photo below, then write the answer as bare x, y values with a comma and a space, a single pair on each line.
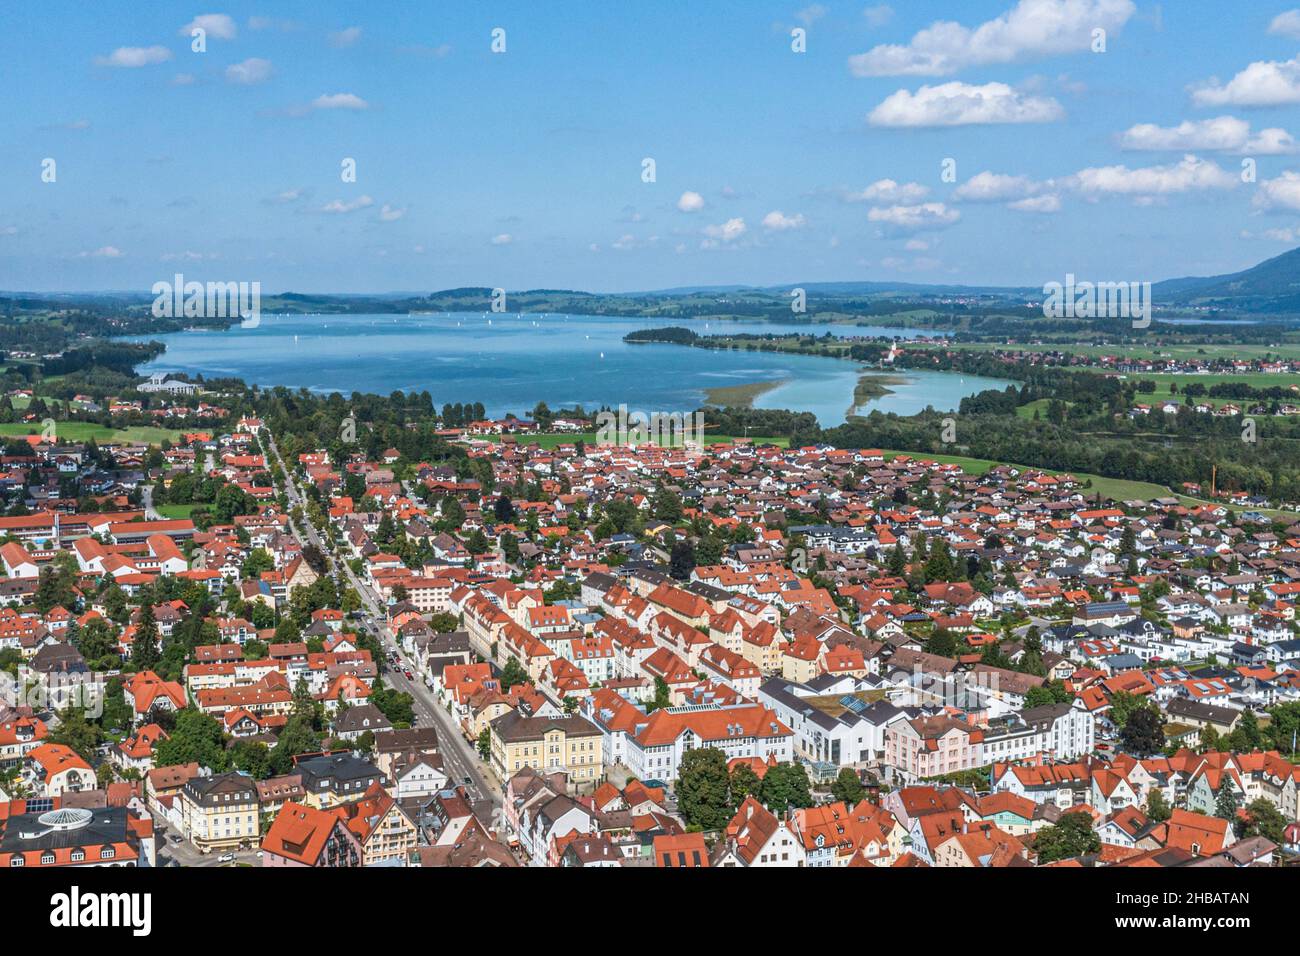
243, 647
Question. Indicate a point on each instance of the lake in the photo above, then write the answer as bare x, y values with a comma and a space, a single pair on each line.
510, 362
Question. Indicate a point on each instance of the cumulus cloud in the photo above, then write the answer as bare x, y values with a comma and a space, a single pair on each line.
963, 104
1224, 134
249, 72
928, 215
343, 206
1280, 193
345, 38
1262, 83
1047, 203
729, 231
690, 202
135, 56
889, 191
217, 25
339, 101
1032, 28
988, 186
1286, 24
389, 213
779, 221
1192, 174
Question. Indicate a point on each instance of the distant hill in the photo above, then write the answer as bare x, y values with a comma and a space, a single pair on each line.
1273, 286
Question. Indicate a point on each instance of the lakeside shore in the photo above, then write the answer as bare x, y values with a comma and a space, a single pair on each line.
740, 396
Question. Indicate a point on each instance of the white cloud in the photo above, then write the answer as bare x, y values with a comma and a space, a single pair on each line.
890, 191
183, 79
1033, 28
690, 202
186, 256
1262, 83
8, 230
779, 221
135, 56
729, 231
345, 38
504, 239
103, 252
929, 215
287, 196
962, 104
1191, 174
339, 101
878, 15
340, 206
249, 72
216, 25
1280, 193
1287, 235
1049, 202
1225, 134
389, 213
989, 186
810, 14
916, 245
1286, 24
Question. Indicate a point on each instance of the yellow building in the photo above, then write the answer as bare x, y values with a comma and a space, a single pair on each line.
220, 813
571, 744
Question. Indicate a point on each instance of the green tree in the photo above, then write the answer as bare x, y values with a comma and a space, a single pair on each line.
786, 787
1071, 836
77, 733
144, 645
513, 673
744, 783
196, 738
848, 786
1158, 808
1144, 733
484, 743
1264, 819
703, 789
1227, 802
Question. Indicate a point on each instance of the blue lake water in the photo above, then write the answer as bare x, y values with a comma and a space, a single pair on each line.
510, 362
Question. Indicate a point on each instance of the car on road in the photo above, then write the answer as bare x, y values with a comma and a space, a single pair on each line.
175, 838
408, 675
226, 858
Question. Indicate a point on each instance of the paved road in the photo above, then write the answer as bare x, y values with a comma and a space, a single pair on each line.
460, 758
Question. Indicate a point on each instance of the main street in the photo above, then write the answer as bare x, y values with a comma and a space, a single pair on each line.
460, 759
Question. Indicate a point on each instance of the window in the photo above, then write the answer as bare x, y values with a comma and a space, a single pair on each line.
107, 853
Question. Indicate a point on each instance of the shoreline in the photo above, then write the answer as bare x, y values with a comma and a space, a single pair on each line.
871, 385
740, 396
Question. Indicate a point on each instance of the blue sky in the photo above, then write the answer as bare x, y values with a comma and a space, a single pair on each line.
524, 168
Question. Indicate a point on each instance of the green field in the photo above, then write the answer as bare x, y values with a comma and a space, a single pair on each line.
1117, 489
176, 511
81, 431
